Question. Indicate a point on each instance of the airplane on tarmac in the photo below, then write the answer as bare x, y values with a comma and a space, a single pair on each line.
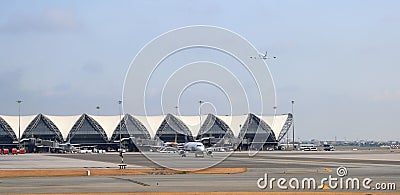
194, 147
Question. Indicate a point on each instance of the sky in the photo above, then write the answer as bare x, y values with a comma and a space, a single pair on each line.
338, 60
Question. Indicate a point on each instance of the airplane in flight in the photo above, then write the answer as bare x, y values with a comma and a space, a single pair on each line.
263, 56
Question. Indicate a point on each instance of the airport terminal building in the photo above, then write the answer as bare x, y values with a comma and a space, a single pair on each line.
45, 133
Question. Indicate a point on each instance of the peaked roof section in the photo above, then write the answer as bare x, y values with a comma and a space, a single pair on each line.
285, 127
108, 123
131, 127
234, 122
279, 124
275, 122
13, 122
221, 127
172, 123
64, 123
6, 133
152, 123
93, 125
193, 122
261, 125
38, 127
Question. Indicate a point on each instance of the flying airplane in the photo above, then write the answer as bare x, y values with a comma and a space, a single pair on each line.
263, 56
194, 147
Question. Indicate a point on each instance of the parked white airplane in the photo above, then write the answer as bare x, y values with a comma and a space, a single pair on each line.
194, 147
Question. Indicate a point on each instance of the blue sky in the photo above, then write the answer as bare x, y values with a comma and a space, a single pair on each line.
337, 59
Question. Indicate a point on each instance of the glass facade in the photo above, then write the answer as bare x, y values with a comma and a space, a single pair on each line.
88, 131
214, 127
256, 130
7, 135
131, 127
85, 131
41, 127
286, 127
173, 129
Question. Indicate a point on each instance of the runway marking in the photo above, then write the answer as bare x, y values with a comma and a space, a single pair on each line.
305, 172
131, 180
328, 169
207, 185
69, 187
325, 187
128, 186
307, 161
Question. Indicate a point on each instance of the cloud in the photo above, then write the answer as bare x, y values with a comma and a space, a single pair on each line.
387, 95
51, 20
92, 67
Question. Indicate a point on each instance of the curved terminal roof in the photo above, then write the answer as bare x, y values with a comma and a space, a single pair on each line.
234, 122
173, 130
193, 122
131, 127
13, 122
152, 123
7, 135
216, 127
108, 124
42, 127
257, 130
64, 123
275, 122
86, 129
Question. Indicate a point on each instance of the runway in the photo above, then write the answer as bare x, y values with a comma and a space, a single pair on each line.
380, 166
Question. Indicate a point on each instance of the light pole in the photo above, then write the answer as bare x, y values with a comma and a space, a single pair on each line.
176, 110
19, 123
293, 122
176, 134
200, 102
97, 108
120, 132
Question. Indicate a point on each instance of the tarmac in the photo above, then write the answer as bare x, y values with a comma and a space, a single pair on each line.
382, 167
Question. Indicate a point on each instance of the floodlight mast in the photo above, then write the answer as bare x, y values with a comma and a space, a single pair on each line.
176, 110
176, 114
19, 123
120, 132
98, 109
293, 122
200, 102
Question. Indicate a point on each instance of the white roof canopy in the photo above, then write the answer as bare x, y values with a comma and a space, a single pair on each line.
108, 123
193, 123
275, 122
234, 122
151, 123
13, 122
64, 123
